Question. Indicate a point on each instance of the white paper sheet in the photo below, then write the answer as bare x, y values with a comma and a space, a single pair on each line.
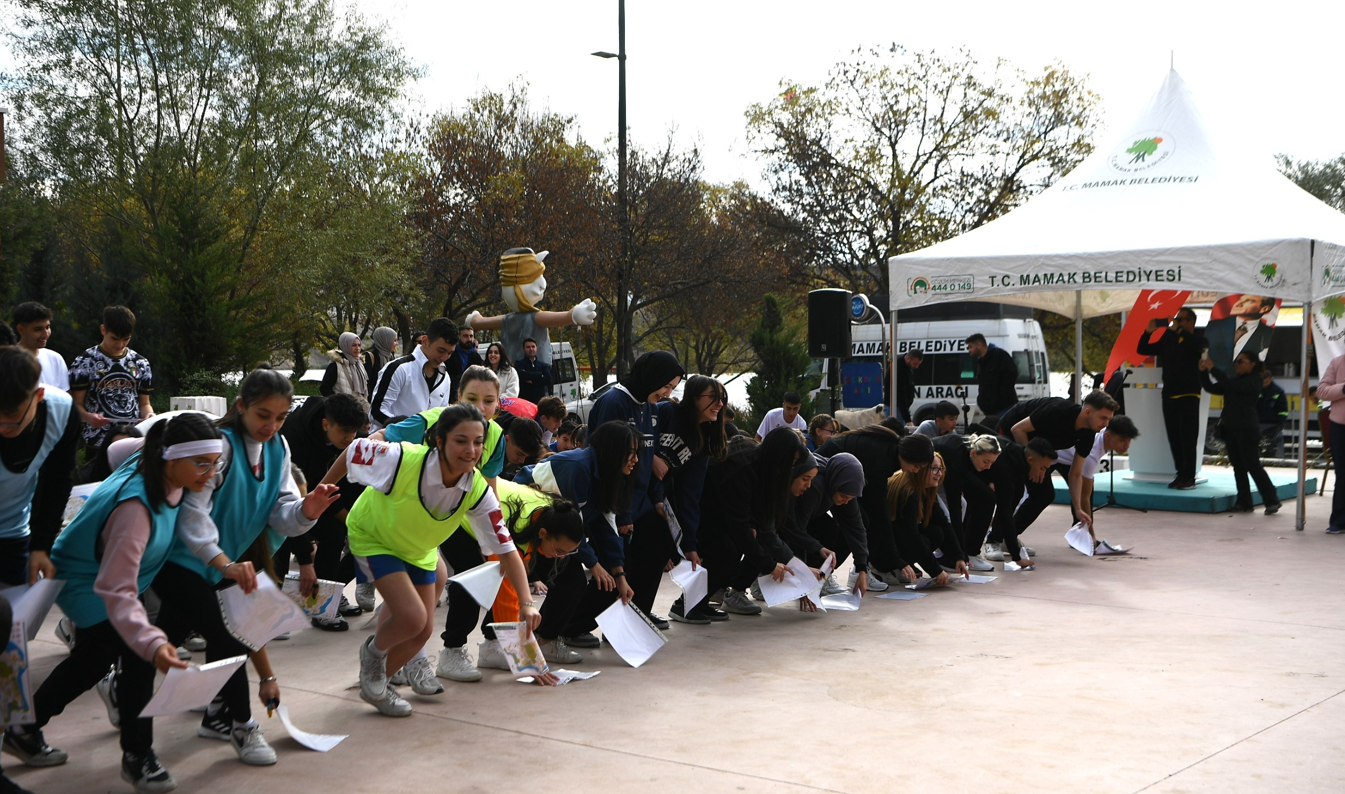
325, 603
524, 655
16, 683
563, 676
1010, 565
799, 581
694, 584
901, 595
975, 579
482, 582
1104, 548
195, 687
828, 565
31, 604
631, 634
1080, 540
843, 602
321, 742
258, 617
923, 583
674, 526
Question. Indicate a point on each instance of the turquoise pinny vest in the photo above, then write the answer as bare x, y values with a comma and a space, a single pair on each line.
241, 505
77, 553
17, 487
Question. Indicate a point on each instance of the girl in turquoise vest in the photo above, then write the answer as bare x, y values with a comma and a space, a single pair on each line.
417, 497
253, 491
107, 558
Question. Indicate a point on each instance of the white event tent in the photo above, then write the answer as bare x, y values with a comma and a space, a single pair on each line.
1162, 206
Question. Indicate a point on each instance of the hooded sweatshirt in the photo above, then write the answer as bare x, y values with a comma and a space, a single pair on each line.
841, 473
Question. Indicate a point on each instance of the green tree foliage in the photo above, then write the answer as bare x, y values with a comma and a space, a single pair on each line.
1324, 179
168, 133
897, 151
782, 361
1099, 335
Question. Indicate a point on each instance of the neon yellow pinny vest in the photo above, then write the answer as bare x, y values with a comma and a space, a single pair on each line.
397, 522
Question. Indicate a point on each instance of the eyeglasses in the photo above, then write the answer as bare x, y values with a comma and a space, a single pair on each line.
936, 470
207, 466
22, 414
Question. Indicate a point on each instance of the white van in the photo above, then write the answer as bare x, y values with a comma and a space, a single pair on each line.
948, 371
564, 372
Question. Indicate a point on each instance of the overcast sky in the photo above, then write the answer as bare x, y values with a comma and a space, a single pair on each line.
1267, 78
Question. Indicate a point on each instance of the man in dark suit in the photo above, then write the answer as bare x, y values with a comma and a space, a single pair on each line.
1179, 351
996, 375
1241, 330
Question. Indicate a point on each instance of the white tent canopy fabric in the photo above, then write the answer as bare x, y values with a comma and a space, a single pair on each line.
1163, 206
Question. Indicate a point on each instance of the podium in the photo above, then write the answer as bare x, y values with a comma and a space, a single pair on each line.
1150, 456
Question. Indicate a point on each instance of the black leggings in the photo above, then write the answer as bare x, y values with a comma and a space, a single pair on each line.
648, 553
190, 604
97, 648
462, 553
565, 582
1244, 452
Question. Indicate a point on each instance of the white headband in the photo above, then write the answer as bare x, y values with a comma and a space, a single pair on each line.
190, 449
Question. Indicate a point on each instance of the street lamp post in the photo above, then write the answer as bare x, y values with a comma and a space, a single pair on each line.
621, 296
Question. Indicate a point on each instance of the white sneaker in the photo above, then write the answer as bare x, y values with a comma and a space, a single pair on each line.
107, 690
194, 642
456, 665
251, 746
890, 578
978, 564
183, 654
489, 654
737, 602
364, 596
1028, 550
830, 586
994, 552
390, 704
756, 592
420, 675
557, 652
373, 673
875, 584
65, 632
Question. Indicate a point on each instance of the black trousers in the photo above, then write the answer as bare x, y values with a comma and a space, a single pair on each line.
979, 512
1181, 418
648, 553
826, 531
1243, 442
462, 553
463, 609
883, 554
566, 585
189, 604
1040, 495
97, 648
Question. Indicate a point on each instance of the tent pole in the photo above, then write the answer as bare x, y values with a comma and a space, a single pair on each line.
1078, 346
892, 361
1300, 512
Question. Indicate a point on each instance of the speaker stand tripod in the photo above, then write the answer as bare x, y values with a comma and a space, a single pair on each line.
1111, 488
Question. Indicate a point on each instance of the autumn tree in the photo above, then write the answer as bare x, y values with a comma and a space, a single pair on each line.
896, 151
1324, 179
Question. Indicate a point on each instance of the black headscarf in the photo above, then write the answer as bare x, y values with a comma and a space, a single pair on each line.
652, 371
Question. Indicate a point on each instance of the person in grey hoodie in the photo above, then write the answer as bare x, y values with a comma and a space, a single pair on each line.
825, 519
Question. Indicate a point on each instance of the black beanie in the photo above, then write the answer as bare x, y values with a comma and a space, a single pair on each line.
916, 449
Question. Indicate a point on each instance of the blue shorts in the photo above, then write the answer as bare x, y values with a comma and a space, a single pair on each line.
369, 569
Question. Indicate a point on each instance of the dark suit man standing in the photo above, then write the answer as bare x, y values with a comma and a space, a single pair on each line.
1241, 330
996, 375
1179, 351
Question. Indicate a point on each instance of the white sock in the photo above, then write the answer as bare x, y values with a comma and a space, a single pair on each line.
373, 646
420, 654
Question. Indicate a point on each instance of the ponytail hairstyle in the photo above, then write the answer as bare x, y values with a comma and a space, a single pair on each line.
776, 456
260, 384
986, 444
702, 437
612, 444
560, 519
451, 417
163, 434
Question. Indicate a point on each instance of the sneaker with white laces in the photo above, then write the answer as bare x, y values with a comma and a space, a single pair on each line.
737, 602
756, 592
107, 690
557, 652
830, 586
349, 610
456, 665
251, 745
218, 725
364, 596
29, 747
146, 774
875, 584
420, 674
390, 704
994, 552
490, 654
65, 632
373, 672
194, 642
978, 564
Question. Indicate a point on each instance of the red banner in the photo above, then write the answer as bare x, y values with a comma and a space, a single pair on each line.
1151, 303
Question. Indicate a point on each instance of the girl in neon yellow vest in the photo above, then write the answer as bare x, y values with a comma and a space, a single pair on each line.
417, 497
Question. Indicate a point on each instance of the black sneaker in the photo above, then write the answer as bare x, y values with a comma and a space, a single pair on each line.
331, 624
216, 726
30, 748
585, 640
678, 613
349, 610
1272, 509
659, 621
146, 774
8, 786
710, 612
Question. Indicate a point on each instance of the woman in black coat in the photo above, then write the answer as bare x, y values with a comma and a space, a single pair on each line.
1240, 427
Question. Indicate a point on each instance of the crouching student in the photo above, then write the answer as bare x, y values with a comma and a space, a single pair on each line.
416, 497
107, 558
912, 506
825, 520
1016, 473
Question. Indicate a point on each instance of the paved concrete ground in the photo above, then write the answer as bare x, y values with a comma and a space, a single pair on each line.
1208, 661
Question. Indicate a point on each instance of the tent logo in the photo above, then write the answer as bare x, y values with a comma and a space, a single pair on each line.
1142, 152
940, 285
918, 286
1269, 275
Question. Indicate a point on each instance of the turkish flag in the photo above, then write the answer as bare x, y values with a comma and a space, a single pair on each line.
1151, 303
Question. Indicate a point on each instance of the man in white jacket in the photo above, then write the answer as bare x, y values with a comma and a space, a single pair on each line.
411, 384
